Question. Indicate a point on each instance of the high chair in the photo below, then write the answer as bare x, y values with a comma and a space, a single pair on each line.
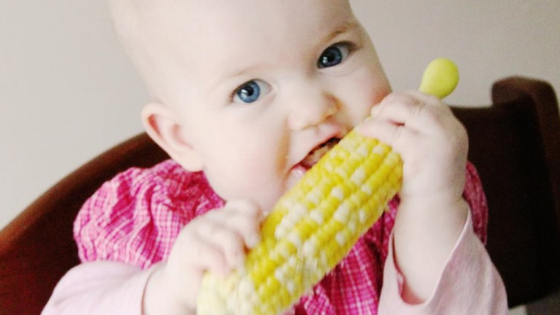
514, 143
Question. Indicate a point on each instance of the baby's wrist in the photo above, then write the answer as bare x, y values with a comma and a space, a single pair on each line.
424, 216
445, 211
159, 300
433, 201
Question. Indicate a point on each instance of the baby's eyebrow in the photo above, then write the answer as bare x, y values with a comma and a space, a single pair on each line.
345, 27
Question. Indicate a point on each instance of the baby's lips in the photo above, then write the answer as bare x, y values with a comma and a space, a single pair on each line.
316, 154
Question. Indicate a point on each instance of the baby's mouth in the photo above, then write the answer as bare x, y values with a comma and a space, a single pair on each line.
317, 153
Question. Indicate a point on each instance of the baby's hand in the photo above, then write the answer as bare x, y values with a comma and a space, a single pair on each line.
216, 241
433, 146
432, 142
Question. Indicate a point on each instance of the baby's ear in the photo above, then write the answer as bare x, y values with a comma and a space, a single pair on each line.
164, 126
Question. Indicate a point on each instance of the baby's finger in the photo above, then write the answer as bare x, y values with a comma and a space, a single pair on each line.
206, 256
226, 240
419, 112
399, 137
245, 218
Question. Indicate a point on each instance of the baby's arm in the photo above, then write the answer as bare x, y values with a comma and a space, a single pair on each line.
100, 287
216, 241
433, 146
468, 284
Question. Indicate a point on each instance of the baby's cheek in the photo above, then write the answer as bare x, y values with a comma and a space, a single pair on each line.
252, 180
265, 185
365, 95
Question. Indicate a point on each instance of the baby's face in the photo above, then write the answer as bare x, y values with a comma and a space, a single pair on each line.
263, 88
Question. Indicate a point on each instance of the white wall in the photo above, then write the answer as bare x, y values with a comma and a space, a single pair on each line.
67, 91
487, 39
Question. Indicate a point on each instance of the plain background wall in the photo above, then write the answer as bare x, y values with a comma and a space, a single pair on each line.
67, 92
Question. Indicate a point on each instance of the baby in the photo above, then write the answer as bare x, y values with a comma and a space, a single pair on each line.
247, 95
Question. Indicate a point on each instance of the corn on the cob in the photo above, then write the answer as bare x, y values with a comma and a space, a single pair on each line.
311, 228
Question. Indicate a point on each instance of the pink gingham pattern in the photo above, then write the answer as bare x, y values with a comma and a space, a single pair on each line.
135, 218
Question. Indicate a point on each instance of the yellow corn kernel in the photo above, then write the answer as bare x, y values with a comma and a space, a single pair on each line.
306, 235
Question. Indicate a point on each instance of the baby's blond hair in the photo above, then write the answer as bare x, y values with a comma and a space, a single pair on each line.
140, 26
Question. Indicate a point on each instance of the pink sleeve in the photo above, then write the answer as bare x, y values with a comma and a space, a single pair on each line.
127, 226
468, 284
135, 217
99, 288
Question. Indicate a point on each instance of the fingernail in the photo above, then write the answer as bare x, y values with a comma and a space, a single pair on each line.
253, 240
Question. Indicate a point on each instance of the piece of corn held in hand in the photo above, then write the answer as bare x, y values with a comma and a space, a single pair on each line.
310, 230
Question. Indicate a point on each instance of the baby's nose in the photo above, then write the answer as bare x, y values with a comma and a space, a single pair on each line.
310, 108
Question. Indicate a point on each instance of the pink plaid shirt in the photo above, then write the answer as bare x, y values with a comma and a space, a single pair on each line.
136, 217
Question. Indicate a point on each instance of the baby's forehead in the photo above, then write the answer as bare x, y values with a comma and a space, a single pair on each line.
194, 12
173, 38
146, 24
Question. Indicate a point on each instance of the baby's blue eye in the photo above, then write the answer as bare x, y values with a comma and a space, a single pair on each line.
333, 55
250, 91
